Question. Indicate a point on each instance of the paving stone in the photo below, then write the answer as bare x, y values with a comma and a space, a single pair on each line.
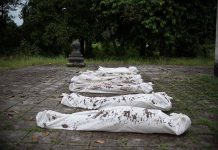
32, 100
29, 116
56, 96
74, 137
7, 146
69, 147
24, 146
124, 148
38, 108
200, 129
20, 108
12, 136
4, 107
23, 125
49, 103
124, 139
207, 140
43, 137
64, 109
176, 141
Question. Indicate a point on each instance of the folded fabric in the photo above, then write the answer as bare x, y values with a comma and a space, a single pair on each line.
159, 100
116, 71
110, 80
110, 87
87, 79
116, 119
103, 72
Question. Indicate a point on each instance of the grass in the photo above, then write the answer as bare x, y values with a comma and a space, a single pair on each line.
18, 62
156, 61
194, 95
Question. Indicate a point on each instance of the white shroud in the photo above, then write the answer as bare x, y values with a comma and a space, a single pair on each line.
159, 100
116, 119
110, 80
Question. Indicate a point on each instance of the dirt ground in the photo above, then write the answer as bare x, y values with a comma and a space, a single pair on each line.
26, 91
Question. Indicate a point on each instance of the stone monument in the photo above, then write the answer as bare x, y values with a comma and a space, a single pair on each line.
76, 58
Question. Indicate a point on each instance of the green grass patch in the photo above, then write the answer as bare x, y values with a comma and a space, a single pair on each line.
24, 61
194, 95
212, 124
155, 61
18, 62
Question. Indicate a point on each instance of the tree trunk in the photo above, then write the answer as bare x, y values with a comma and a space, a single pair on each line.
142, 50
88, 48
216, 48
116, 48
81, 40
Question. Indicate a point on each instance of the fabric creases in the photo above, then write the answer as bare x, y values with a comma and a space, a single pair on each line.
116, 119
136, 108
159, 100
110, 80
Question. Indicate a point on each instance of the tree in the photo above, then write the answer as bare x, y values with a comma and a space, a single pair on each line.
52, 24
9, 32
150, 27
172, 28
5, 7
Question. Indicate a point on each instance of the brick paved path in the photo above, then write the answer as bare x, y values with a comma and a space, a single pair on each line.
26, 91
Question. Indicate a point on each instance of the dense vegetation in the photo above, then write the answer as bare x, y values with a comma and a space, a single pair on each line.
123, 28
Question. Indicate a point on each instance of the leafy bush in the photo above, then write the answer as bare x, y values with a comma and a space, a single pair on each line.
27, 49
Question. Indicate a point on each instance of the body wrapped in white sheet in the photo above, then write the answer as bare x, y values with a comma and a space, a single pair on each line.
104, 74
110, 87
87, 79
116, 119
159, 100
110, 80
119, 70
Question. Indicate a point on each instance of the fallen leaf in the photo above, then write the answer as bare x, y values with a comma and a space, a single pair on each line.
32, 118
46, 133
99, 141
10, 115
35, 138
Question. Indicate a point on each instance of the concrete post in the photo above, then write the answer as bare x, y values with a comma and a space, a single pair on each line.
216, 46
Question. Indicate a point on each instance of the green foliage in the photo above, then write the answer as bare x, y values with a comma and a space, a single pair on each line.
27, 49
51, 25
172, 28
9, 33
23, 61
45, 28
130, 28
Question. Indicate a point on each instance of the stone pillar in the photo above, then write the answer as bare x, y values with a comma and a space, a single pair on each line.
76, 58
216, 46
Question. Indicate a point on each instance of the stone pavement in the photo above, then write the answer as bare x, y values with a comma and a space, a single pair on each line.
26, 91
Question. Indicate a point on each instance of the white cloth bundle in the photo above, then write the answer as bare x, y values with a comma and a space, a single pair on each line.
87, 79
110, 80
103, 74
159, 100
116, 119
110, 87
102, 71
126, 113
